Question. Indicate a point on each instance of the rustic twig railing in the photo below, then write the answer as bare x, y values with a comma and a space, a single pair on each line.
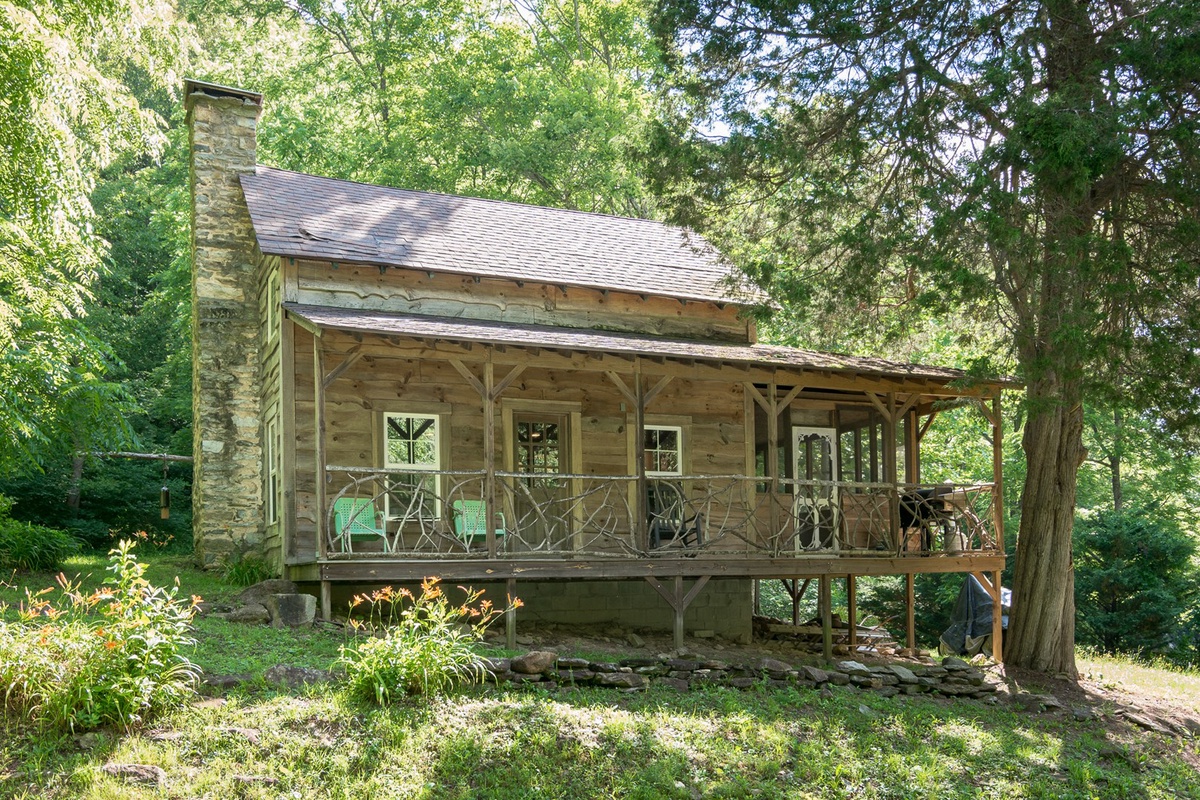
426, 513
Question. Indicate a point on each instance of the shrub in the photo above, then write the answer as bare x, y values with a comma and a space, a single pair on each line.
417, 645
26, 546
110, 657
246, 570
1135, 582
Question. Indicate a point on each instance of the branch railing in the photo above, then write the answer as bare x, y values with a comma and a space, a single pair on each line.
440, 514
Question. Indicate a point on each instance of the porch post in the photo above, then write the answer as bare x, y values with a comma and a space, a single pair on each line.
489, 452
852, 611
910, 610
998, 472
319, 444
771, 468
510, 616
639, 457
826, 602
326, 600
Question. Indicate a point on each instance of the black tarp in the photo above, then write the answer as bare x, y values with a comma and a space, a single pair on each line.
970, 630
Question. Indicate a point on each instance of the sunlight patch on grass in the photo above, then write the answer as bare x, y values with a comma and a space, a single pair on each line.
1159, 680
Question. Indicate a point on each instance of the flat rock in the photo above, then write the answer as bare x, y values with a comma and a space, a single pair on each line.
853, 668
573, 663
496, 665
770, 665
1084, 713
603, 666
678, 684
838, 678
259, 592
296, 676
526, 641
640, 662
137, 773
1149, 723
903, 674
814, 674
291, 610
621, 680
251, 612
635, 641
682, 665
714, 664
535, 662
227, 681
955, 664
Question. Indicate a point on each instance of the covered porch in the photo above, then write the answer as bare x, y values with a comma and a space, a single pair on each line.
483, 451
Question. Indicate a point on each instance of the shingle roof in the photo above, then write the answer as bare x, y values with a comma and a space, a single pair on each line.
458, 329
304, 216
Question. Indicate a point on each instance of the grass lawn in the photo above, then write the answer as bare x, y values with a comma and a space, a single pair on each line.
261, 742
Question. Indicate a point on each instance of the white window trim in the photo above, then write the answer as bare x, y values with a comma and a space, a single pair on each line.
274, 483
439, 455
678, 472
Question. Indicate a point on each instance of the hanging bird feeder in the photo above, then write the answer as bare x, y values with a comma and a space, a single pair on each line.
164, 496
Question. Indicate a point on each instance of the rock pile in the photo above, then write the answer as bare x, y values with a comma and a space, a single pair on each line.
953, 677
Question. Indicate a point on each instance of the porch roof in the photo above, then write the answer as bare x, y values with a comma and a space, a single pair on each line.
306, 216
522, 335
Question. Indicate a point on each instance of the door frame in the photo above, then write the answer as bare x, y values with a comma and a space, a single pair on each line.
830, 433
573, 413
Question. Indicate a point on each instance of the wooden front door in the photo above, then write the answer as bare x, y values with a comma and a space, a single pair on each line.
542, 508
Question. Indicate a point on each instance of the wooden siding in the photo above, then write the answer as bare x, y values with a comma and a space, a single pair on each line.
446, 295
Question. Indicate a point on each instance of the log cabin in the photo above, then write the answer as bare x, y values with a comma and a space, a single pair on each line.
565, 406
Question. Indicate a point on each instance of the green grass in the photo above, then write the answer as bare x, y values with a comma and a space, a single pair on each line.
493, 742
1158, 680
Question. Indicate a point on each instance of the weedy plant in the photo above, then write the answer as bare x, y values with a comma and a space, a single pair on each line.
417, 645
111, 657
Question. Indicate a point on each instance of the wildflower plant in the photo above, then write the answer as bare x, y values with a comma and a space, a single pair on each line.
111, 657
417, 645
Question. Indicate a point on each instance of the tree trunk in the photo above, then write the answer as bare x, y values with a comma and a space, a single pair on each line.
1114, 459
1042, 634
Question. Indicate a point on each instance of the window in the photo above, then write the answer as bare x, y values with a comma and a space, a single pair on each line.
664, 450
271, 452
411, 442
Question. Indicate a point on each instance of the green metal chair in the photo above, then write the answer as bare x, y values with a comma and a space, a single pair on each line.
470, 524
355, 519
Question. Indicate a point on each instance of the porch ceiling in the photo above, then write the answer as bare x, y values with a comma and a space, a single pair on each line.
592, 341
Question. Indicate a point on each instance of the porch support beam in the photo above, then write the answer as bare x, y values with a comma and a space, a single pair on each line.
319, 442
639, 457
678, 599
997, 420
910, 613
992, 584
352, 357
510, 616
852, 611
377, 569
489, 391
826, 602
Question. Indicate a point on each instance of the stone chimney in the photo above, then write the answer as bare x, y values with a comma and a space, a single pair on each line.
226, 438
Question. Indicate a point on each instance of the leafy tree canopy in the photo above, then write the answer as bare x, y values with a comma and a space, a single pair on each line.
67, 112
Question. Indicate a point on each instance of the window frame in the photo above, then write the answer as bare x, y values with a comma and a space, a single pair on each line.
678, 430
437, 466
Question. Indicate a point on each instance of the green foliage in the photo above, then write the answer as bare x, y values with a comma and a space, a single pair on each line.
420, 645
532, 101
1136, 583
26, 546
244, 570
109, 657
67, 114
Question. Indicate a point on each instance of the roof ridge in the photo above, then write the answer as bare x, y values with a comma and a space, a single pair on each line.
513, 203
